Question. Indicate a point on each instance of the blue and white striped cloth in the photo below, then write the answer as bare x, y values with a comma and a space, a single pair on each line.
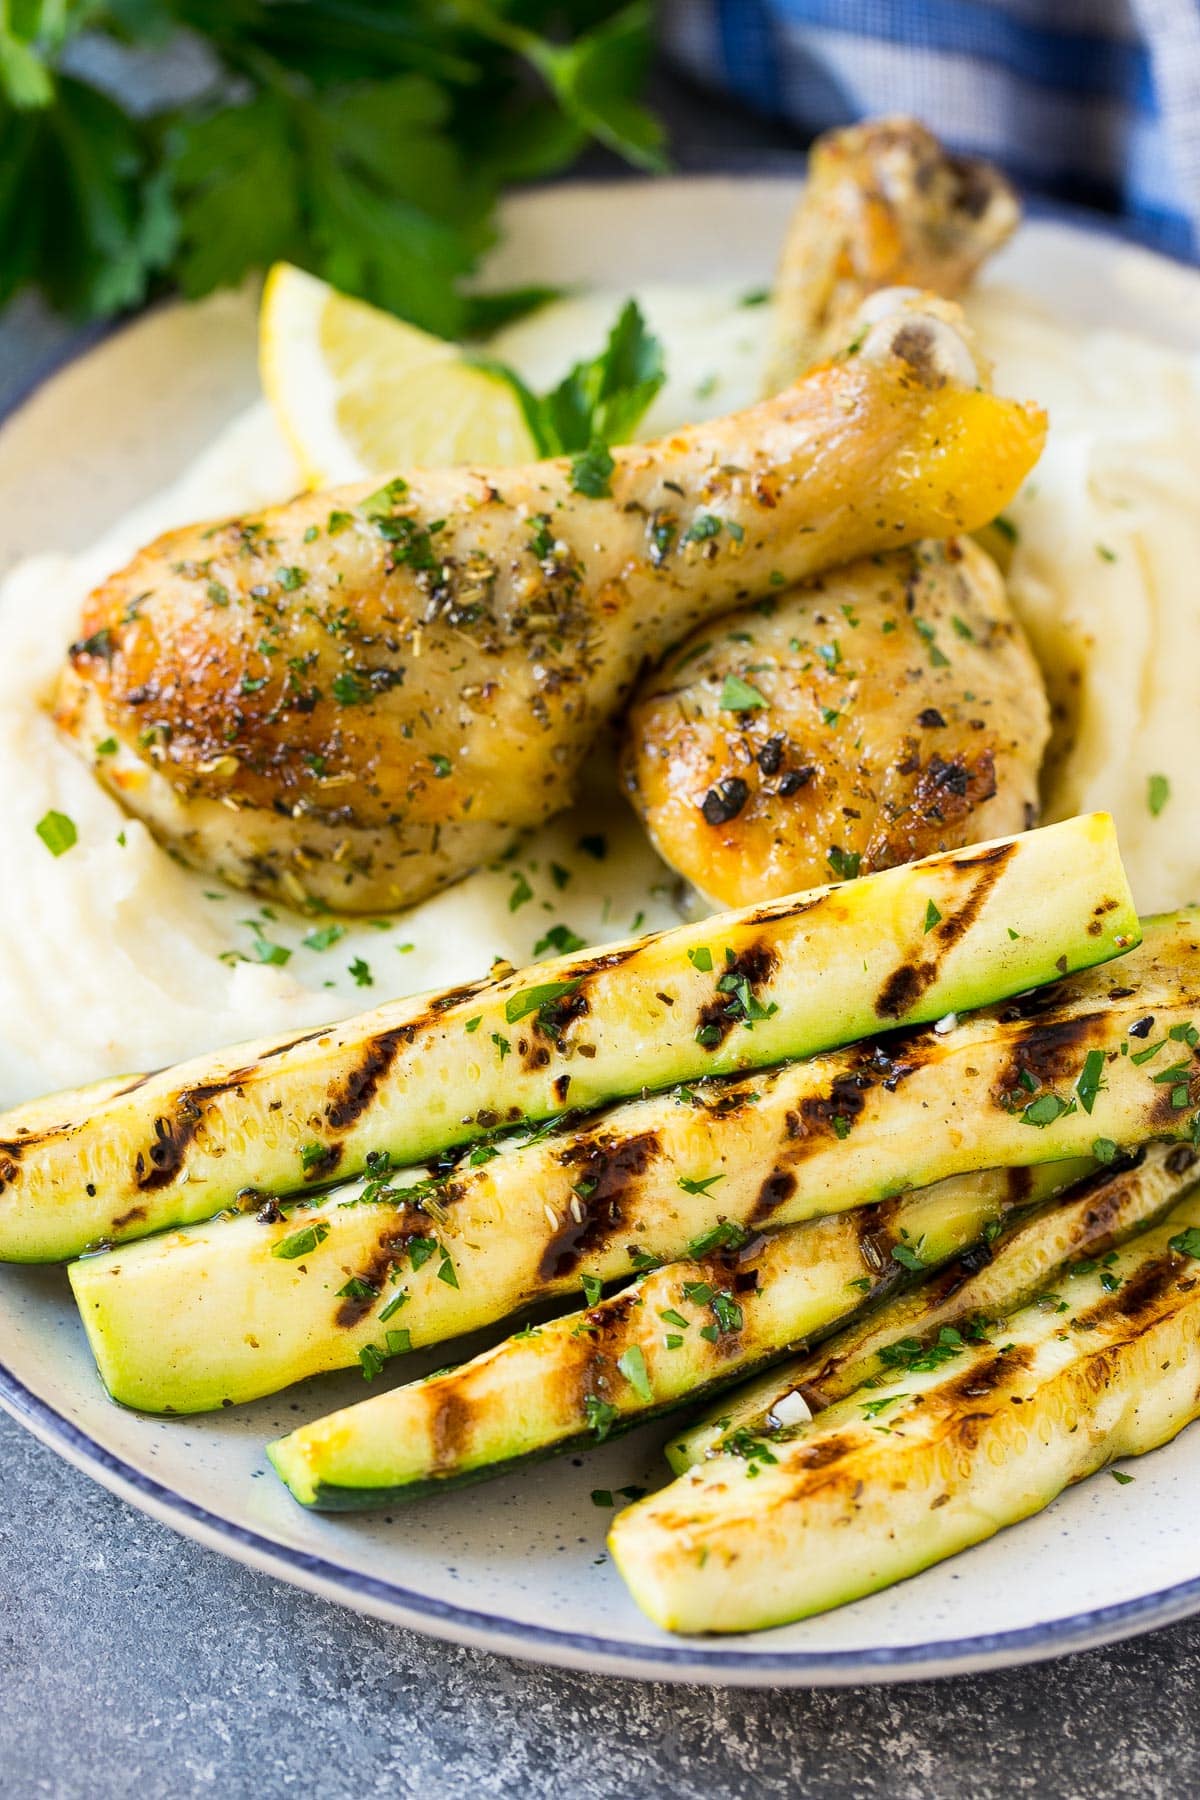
1096, 102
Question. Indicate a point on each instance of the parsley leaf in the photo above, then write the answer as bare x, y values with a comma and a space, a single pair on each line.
365, 142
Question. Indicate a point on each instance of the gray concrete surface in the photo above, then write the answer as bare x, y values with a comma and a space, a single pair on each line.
135, 1663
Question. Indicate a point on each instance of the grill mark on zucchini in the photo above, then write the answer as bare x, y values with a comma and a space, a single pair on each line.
1137, 1296
356, 1090
905, 985
161, 1161
778, 1187
391, 1245
452, 1418
609, 1173
1049, 1052
755, 964
983, 1380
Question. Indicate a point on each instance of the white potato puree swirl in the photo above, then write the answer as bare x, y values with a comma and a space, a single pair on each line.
113, 957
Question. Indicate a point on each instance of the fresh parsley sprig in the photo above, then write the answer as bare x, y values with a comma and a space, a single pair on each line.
365, 140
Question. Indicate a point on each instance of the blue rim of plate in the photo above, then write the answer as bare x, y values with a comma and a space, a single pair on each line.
691, 1660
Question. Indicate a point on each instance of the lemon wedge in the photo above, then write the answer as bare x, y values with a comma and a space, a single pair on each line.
358, 393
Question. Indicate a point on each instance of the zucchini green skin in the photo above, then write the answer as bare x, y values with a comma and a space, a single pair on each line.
210, 1314
904, 1473
1025, 1259
742, 990
532, 1394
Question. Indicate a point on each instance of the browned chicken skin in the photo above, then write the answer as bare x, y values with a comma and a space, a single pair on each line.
872, 716
896, 708
885, 204
358, 696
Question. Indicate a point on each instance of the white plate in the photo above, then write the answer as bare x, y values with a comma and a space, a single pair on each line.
518, 1566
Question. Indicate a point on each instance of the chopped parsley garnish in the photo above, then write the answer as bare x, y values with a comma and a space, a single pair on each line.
348, 690
1089, 1082
502, 1044
1045, 1110
844, 863
698, 1292
591, 471
602, 1497
324, 937
521, 893
473, 1024
669, 1316
361, 972
371, 1361
908, 1259
932, 917
302, 1242
739, 696
57, 832
633, 1367
702, 527
560, 938
1104, 1149
1186, 1243
871, 1409
290, 578
420, 1249
937, 657
107, 747
701, 958
593, 1287
1158, 792
599, 1416
312, 1156
393, 1306
441, 766
263, 950
728, 1312
1122, 1477
920, 1358
752, 1450
727, 1236
699, 1185
538, 999
357, 1289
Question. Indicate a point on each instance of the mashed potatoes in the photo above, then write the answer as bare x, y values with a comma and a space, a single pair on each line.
116, 958
1105, 575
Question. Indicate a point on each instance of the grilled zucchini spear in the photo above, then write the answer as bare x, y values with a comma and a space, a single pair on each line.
1099, 1213
235, 1308
666, 1340
745, 989
907, 1471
